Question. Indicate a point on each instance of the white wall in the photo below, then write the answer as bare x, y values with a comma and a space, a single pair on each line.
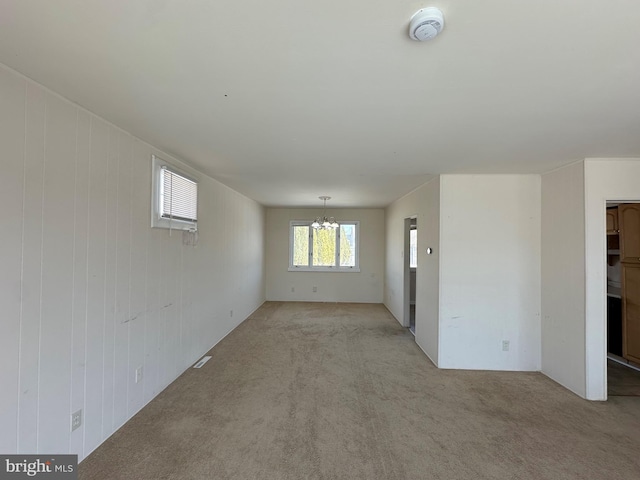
365, 286
563, 277
428, 274
490, 271
605, 179
574, 330
88, 291
424, 204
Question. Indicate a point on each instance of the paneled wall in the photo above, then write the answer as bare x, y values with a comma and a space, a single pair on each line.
88, 291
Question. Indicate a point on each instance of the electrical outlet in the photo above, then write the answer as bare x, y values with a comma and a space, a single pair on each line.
293, 289
231, 313
505, 345
139, 374
315, 289
76, 420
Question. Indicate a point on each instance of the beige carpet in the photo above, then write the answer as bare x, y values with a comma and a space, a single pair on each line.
622, 380
341, 391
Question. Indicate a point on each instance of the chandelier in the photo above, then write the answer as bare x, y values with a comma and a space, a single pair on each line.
324, 222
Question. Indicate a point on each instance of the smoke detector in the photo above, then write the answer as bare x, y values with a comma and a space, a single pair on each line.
426, 23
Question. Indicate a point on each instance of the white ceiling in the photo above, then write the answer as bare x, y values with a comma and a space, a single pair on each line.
287, 100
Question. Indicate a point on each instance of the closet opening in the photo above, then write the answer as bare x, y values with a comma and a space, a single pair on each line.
623, 298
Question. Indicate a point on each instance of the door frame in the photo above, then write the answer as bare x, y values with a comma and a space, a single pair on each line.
406, 257
605, 323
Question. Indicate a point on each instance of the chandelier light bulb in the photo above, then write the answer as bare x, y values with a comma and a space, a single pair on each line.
324, 222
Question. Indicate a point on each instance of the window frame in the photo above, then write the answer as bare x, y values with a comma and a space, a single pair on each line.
336, 268
157, 220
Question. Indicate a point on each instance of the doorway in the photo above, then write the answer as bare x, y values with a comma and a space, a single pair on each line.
410, 271
623, 298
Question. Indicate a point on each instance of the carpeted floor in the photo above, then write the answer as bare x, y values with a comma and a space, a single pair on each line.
622, 380
341, 391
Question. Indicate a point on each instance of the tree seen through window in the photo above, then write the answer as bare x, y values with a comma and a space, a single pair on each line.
324, 248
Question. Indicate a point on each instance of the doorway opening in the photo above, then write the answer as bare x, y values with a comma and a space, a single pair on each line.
410, 270
623, 298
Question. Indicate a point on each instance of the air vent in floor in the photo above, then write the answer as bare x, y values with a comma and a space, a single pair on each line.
202, 361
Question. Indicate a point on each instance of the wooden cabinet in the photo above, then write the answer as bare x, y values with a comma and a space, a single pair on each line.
629, 237
629, 226
631, 312
612, 221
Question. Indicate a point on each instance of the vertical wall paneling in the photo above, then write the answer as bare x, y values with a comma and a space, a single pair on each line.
79, 312
173, 316
89, 291
186, 307
97, 214
123, 277
12, 139
57, 276
165, 306
140, 212
31, 269
111, 272
154, 311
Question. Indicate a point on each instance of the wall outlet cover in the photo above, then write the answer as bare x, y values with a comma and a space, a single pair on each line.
76, 420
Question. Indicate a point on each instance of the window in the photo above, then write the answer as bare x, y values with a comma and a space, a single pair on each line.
174, 197
323, 250
413, 248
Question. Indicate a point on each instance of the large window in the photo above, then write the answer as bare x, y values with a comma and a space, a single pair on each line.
174, 197
323, 250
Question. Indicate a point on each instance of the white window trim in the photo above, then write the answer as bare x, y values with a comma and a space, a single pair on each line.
310, 268
157, 221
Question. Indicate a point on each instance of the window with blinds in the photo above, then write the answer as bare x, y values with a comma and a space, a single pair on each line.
174, 197
178, 196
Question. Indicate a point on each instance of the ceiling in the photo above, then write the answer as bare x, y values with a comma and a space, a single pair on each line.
287, 100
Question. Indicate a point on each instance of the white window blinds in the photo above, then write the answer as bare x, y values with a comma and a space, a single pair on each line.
178, 196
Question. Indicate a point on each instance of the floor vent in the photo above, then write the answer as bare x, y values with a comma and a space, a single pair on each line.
202, 361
